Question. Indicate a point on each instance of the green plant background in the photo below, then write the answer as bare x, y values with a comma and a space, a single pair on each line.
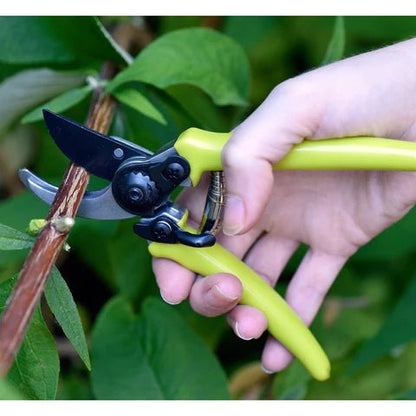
102, 331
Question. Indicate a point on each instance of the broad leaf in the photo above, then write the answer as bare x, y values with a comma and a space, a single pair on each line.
38, 40
11, 239
27, 89
35, 369
136, 99
152, 356
59, 104
63, 307
336, 47
202, 57
398, 329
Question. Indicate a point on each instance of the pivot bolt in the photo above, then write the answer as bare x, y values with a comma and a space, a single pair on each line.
162, 230
135, 194
174, 172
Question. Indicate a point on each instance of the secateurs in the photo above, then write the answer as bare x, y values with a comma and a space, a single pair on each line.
141, 183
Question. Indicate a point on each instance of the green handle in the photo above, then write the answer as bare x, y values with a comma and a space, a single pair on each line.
203, 150
283, 323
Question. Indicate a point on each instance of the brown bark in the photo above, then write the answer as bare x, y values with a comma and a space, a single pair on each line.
49, 243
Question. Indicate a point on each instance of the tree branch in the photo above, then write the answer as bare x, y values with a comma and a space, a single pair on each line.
48, 245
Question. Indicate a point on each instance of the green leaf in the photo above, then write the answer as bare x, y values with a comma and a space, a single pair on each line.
132, 273
135, 98
8, 392
398, 329
59, 104
152, 356
27, 89
39, 40
202, 57
336, 47
63, 307
35, 369
291, 384
11, 239
250, 31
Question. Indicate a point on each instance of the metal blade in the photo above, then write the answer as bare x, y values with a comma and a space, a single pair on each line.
97, 153
95, 204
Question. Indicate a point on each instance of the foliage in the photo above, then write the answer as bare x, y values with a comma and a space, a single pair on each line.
101, 331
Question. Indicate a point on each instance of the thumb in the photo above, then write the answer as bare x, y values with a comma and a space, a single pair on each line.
264, 138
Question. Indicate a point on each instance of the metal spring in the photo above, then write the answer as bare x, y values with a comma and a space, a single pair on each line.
214, 204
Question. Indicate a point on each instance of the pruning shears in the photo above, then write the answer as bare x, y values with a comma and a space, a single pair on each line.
141, 183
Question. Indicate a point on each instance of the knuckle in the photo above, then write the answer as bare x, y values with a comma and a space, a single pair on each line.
233, 154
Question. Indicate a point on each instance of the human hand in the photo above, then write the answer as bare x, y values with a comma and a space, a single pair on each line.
269, 213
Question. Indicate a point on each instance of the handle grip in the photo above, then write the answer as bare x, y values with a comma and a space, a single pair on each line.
362, 153
283, 323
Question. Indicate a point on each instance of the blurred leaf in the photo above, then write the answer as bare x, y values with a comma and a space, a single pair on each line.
198, 56
130, 261
136, 99
153, 356
393, 243
27, 89
336, 47
59, 104
398, 329
74, 386
39, 40
405, 395
64, 309
35, 369
90, 239
380, 380
248, 31
146, 132
291, 384
209, 329
8, 392
11, 239
200, 108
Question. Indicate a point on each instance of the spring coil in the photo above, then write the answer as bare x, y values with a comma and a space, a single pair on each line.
214, 205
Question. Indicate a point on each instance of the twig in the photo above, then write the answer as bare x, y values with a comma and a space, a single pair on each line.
48, 245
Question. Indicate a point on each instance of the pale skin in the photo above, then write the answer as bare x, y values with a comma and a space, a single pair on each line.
269, 213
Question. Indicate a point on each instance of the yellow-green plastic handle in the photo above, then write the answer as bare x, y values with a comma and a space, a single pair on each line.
202, 149
283, 323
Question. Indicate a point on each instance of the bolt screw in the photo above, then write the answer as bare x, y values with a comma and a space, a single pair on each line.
162, 230
174, 172
135, 194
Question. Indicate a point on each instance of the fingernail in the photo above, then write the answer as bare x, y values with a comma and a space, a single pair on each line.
170, 302
266, 370
218, 291
234, 325
234, 215
237, 331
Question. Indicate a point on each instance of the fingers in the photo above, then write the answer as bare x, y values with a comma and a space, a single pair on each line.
261, 140
215, 295
174, 281
269, 256
305, 294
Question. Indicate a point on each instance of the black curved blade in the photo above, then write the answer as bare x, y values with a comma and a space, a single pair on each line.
97, 153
